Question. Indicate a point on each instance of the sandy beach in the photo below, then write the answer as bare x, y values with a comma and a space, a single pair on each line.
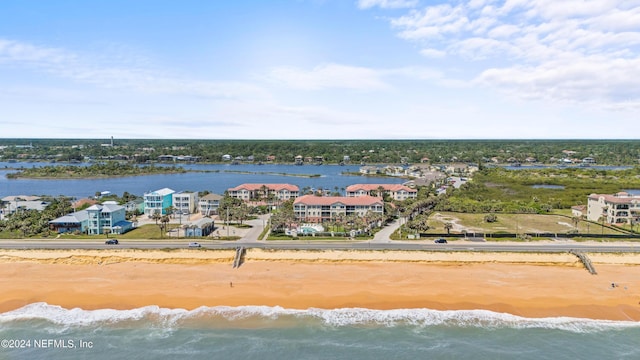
530, 285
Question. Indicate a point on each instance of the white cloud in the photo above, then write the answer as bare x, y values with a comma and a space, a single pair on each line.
87, 69
572, 50
336, 76
433, 53
503, 31
387, 4
589, 80
328, 76
18, 52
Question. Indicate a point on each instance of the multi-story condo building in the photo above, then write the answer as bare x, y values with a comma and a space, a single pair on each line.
184, 202
316, 209
395, 191
257, 192
108, 217
157, 202
621, 208
209, 204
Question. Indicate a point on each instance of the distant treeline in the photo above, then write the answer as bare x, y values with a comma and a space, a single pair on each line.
610, 152
108, 169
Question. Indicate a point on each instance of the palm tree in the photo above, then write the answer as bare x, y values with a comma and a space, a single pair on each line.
265, 192
575, 220
448, 226
163, 226
241, 212
156, 216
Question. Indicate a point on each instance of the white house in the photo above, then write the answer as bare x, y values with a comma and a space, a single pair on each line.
185, 202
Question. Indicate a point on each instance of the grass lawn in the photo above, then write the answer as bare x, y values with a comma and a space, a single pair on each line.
512, 223
149, 231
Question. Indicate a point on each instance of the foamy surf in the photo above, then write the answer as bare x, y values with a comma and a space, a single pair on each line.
169, 318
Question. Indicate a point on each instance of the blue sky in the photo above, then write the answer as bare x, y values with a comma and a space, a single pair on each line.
320, 69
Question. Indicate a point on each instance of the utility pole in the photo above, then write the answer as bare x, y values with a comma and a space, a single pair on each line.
227, 221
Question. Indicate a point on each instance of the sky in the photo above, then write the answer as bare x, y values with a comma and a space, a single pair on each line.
320, 69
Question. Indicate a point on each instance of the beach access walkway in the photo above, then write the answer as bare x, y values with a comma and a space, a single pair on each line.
384, 235
250, 235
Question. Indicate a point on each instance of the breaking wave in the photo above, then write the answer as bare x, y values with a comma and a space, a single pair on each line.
266, 316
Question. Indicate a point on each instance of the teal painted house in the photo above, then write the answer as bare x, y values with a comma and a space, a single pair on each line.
157, 202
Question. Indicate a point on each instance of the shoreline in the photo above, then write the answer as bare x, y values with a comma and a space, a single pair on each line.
522, 284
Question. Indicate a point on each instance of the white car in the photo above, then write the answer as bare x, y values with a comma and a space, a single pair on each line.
194, 245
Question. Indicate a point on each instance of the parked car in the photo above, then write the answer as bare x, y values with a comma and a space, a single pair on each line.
111, 242
194, 245
440, 241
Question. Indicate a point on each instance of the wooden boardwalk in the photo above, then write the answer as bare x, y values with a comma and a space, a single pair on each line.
240, 252
585, 260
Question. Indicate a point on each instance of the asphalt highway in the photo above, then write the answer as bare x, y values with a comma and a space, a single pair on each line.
559, 246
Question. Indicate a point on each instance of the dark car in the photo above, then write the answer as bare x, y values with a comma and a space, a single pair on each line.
440, 241
111, 242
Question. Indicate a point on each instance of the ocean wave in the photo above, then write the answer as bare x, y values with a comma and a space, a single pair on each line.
274, 316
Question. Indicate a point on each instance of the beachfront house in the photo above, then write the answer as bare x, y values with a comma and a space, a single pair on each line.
157, 202
395, 191
185, 202
71, 223
317, 209
108, 217
208, 205
620, 208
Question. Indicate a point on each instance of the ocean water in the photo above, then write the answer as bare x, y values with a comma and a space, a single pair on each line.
42, 331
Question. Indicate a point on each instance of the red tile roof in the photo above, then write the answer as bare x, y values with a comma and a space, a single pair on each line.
387, 187
619, 198
330, 200
84, 201
258, 187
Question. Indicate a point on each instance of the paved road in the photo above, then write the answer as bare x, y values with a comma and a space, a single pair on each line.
319, 245
381, 241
